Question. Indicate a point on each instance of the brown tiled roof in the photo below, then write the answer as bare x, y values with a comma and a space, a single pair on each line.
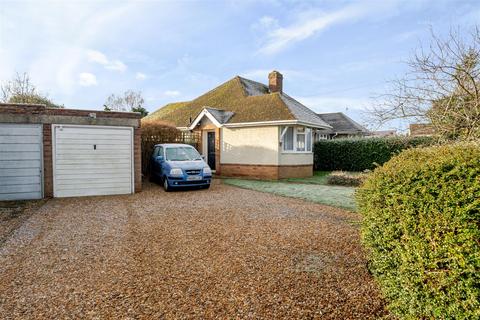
249, 101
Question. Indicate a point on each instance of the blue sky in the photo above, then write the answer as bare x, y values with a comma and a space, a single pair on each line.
335, 55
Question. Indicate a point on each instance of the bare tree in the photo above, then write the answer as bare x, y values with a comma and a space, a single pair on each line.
442, 87
21, 90
130, 101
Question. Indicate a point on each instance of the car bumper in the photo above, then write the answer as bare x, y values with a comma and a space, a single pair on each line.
183, 182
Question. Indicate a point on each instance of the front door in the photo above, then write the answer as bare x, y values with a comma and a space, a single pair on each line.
211, 149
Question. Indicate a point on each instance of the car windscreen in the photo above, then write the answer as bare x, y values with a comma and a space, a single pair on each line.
182, 154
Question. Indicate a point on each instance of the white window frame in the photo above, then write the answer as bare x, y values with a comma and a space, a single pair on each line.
306, 130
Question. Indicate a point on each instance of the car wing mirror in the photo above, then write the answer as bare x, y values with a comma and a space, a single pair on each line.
159, 158
203, 157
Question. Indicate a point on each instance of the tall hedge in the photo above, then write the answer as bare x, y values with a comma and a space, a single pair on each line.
421, 228
361, 153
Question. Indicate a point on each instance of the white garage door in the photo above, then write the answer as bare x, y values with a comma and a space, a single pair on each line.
20, 161
92, 160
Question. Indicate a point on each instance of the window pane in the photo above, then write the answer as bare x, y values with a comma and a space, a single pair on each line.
309, 140
182, 154
288, 139
301, 142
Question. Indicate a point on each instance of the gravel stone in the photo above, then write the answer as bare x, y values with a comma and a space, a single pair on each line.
219, 253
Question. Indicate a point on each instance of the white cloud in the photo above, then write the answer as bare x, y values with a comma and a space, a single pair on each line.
267, 22
312, 22
116, 65
86, 79
97, 56
140, 76
171, 93
101, 58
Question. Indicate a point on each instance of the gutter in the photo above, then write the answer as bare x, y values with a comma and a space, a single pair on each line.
275, 123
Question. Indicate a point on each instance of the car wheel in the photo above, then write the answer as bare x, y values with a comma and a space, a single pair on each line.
166, 185
206, 187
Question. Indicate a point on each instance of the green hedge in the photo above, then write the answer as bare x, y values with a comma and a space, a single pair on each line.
421, 228
361, 153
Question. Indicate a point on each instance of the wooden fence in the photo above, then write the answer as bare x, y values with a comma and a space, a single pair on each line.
167, 135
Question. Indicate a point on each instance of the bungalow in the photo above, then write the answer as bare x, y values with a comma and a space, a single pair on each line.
342, 126
250, 129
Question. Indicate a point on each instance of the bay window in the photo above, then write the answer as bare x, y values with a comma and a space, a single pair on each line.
300, 139
296, 139
309, 139
288, 139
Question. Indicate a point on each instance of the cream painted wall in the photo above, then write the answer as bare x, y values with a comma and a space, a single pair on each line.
296, 158
251, 145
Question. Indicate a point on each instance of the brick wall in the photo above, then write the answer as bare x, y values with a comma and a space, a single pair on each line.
47, 161
266, 171
137, 162
300, 171
36, 109
252, 171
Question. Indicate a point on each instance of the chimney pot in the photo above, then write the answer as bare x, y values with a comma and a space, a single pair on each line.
275, 81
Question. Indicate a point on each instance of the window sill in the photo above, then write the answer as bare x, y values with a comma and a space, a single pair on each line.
297, 152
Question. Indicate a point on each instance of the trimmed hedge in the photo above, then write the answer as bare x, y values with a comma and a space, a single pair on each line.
421, 227
361, 153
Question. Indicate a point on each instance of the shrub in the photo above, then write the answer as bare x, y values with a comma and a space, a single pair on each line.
156, 132
361, 153
421, 227
341, 178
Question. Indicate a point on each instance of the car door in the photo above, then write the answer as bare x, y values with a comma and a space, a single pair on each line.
156, 163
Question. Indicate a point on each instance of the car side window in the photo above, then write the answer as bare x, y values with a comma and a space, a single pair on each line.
155, 152
160, 151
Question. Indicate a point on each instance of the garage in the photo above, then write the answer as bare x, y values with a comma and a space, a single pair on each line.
91, 160
63, 152
20, 161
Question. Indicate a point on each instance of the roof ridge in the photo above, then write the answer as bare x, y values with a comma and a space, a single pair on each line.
330, 112
278, 96
263, 84
216, 88
306, 109
239, 79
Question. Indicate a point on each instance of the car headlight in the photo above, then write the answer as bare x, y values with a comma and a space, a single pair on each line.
176, 172
207, 170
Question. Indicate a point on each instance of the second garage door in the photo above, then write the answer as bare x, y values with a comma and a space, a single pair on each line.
91, 160
20, 161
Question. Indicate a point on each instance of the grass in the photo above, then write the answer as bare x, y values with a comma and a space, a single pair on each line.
336, 196
319, 177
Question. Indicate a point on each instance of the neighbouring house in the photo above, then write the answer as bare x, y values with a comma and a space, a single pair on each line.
50, 152
421, 129
250, 129
342, 126
383, 133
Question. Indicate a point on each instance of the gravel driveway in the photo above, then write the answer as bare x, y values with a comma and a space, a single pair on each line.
218, 253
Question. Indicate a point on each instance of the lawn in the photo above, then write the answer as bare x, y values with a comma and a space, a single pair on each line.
312, 189
319, 177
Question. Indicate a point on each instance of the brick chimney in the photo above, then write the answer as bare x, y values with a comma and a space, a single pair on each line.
275, 81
